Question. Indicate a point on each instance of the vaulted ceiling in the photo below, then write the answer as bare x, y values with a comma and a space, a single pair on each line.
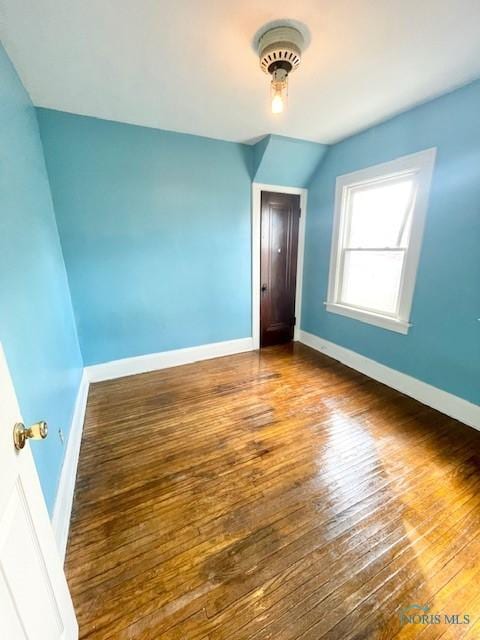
190, 65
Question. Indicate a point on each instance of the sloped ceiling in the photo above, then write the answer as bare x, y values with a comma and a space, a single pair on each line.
286, 161
191, 66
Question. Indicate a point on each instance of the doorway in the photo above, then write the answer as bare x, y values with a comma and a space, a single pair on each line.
279, 227
257, 190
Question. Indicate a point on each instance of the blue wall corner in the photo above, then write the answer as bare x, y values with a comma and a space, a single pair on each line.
258, 152
37, 327
443, 345
284, 161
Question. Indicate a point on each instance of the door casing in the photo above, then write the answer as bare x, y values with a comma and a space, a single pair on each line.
257, 189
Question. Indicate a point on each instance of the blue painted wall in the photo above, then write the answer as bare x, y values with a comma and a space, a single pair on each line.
37, 327
443, 346
286, 161
155, 229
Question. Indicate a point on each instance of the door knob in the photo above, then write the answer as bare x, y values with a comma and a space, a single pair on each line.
264, 287
21, 433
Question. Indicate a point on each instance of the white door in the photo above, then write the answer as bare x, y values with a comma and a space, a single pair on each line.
35, 603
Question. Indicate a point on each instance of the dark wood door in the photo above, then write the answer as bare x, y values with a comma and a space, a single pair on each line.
279, 246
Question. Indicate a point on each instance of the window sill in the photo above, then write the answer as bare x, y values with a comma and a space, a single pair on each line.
385, 322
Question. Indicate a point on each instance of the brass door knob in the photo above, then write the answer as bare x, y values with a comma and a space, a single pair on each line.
21, 433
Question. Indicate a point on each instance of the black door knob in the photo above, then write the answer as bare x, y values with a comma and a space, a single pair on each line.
264, 287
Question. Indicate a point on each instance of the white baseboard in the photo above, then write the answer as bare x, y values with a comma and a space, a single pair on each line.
63, 504
447, 403
165, 359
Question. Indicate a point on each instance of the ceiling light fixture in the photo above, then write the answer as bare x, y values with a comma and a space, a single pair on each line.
280, 51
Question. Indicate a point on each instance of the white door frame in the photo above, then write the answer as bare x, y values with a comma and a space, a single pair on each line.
257, 189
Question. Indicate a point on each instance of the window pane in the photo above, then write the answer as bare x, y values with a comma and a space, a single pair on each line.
378, 215
371, 279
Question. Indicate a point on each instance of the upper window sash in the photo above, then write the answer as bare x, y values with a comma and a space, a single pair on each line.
352, 189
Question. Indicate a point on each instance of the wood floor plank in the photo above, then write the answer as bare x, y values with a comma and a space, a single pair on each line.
273, 495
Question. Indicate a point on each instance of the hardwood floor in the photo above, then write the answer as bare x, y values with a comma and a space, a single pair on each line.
274, 495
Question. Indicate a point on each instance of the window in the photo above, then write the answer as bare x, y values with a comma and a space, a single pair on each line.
378, 225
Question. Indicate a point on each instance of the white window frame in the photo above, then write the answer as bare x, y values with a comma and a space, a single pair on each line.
421, 166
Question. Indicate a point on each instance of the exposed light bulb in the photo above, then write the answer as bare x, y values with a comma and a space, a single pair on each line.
280, 52
279, 90
277, 103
